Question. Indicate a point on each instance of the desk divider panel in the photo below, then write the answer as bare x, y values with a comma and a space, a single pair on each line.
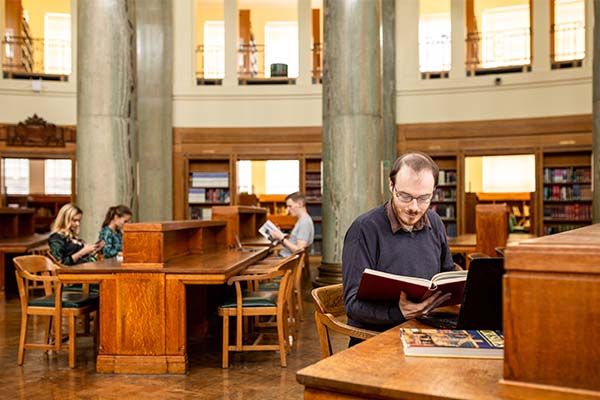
241, 220
552, 314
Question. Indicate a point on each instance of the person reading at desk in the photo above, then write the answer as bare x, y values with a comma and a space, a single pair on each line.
402, 237
64, 241
303, 233
111, 233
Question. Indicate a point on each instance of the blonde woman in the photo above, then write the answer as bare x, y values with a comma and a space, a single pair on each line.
64, 241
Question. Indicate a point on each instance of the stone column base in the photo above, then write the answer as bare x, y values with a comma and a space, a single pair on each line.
328, 274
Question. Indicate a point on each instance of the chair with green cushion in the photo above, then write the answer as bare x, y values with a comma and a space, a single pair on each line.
275, 304
55, 304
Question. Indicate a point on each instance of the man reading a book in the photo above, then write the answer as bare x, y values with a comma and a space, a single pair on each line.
402, 237
303, 233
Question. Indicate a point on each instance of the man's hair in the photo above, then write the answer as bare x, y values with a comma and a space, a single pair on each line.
416, 161
296, 197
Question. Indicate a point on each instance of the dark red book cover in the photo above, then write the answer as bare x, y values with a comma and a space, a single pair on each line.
384, 287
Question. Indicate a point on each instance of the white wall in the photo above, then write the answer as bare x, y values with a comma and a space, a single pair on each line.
532, 94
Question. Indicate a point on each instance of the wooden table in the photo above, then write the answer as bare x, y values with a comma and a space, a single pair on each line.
143, 299
378, 369
468, 243
17, 245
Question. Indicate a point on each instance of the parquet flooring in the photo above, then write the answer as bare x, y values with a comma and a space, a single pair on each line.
251, 375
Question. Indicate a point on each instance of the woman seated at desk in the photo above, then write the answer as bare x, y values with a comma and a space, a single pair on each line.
64, 242
111, 233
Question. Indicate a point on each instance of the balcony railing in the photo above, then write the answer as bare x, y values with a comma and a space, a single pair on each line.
503, 50
568, 43
25, 57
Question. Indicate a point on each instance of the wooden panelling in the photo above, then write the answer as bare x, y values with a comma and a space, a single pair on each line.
551, 314
176, 317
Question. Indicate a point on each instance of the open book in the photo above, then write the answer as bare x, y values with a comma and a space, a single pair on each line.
383, 286
267, 228
452, 343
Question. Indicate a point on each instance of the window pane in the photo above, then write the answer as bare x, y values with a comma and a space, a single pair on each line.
569, 30
57, 177
16, 175
505, 37
57, 43
281, 46
282, 176
435, 49
244, 176
508, 174
214, 49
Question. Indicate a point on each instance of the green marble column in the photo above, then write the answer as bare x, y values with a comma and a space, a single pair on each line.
352, 123
155, 108
106, 109
388, 22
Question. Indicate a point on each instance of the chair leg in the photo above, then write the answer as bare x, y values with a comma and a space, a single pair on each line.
48, 333
22, 337
96, 330
300, 305
72, 335
283, 339
225, 361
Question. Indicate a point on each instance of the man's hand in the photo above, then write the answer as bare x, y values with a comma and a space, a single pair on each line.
412, 310
277, 235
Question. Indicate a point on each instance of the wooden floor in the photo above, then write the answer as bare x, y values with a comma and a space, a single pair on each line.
251, 375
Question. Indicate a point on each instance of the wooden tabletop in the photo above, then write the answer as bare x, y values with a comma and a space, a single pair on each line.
22, 244
468, 242
378, 368
222, 262
256, 241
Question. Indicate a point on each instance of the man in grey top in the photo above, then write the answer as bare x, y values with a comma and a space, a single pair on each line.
402, 237
303, 233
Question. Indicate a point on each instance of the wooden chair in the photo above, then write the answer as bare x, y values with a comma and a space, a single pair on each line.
275, 305
55, 304
40, 251
330, 315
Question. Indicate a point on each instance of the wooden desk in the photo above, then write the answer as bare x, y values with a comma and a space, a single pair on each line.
378, 369
243, 221
17, 245
143, 299
468, 243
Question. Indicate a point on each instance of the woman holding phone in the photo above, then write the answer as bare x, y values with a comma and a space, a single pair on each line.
65, 244
111, 233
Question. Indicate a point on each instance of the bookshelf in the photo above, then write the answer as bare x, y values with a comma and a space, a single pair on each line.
277, 211
567, 191
313, 183
208, 185
444, 201
46, 207
520, 208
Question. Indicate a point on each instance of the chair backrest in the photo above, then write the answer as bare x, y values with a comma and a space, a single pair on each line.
30, 269
491, 222
288, 271
329, 313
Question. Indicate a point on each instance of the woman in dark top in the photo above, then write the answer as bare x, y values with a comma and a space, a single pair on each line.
111, 232
65, 244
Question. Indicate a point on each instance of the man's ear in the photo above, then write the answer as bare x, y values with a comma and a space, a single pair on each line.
391, 186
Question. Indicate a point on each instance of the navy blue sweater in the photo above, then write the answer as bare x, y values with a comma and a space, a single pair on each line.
371, 243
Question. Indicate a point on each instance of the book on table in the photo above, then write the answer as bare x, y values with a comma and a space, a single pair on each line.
383, 286
452, 343
267, 229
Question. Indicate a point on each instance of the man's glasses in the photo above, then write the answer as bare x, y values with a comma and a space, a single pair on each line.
407, 198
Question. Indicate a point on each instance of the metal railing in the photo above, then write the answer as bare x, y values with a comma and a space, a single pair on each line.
35, 57
497, 49
569, 41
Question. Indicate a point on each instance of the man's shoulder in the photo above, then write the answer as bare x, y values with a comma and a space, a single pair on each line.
434, 219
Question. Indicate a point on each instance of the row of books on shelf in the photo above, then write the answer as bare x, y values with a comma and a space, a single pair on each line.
203, 195
315, 248
568, 211
444, 210
313, 179
567, 175
558, 228
575, 192
444, 194
204, 213
313, 194
209, 179
314, 210
446, 177
451, 229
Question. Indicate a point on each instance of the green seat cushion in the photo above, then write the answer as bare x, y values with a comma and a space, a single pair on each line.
267, 301
69, 300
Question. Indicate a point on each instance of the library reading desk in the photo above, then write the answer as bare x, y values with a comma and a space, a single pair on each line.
551, 328
147, 334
